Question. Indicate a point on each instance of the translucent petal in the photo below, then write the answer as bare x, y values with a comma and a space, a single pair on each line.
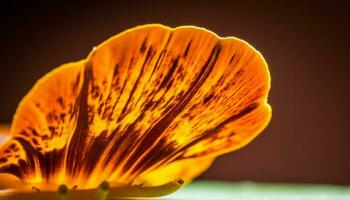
148, 98
186, 169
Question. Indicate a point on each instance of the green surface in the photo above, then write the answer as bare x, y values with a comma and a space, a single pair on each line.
253, 191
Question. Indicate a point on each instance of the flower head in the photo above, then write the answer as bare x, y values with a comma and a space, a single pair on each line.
150, 105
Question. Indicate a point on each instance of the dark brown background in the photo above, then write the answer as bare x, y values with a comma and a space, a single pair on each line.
305, 44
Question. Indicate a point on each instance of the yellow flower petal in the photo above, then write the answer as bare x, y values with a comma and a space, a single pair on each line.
149, 98
187, 169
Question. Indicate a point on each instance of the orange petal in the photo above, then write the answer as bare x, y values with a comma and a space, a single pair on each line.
186, 169
43, 122
146, 98
9, 181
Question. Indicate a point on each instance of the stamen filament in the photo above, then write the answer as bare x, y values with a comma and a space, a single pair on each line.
62, 192
103, 192
142, 191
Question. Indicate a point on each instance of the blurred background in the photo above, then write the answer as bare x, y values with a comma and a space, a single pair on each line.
305, 43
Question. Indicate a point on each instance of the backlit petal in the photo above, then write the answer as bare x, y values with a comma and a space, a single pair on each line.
148, 98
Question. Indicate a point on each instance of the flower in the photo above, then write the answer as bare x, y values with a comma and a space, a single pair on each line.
148, 106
